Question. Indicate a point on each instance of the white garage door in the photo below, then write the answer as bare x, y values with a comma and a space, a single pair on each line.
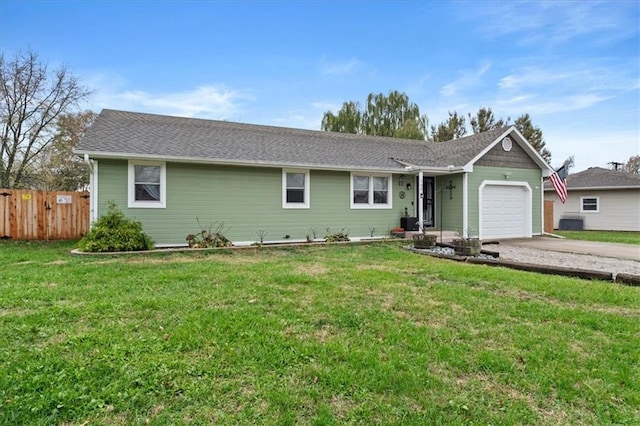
505, 211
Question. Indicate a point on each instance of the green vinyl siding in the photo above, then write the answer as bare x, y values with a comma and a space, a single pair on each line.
448, 207
481, 173
247, 199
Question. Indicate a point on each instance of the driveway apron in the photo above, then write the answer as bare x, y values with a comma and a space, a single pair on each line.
615, 250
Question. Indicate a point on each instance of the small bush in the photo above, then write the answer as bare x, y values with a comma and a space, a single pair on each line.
115, 232
338, 236
209, 237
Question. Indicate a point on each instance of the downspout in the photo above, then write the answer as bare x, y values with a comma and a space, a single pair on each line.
93, 189
420, 202
541, 207
465, 206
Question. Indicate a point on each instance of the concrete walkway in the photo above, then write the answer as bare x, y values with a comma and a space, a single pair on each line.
615, 250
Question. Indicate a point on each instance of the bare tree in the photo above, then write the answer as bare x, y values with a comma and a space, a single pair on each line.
57, 167
569, 163
31, 99
633, 165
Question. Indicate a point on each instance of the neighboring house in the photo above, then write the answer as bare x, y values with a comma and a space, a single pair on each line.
605, 200
171, 172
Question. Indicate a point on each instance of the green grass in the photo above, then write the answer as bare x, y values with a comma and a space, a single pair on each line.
316, 335
624, 237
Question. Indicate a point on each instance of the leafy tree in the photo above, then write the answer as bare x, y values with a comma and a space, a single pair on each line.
385, 115
411, 129
484, 120
633, 165
453, 128
59, 168
348, 120
31, 100
534, 135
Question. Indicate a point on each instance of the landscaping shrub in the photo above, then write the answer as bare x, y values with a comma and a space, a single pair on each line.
210, 237
338, 236
115, 232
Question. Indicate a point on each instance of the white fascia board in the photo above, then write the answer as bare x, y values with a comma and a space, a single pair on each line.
413, 169
216, 161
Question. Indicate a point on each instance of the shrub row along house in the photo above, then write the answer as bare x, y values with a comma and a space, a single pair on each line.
283, 184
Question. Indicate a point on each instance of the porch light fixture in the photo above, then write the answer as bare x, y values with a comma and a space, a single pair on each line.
507, 175
408, 187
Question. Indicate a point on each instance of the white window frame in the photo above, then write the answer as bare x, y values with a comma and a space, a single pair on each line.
371, 204
597, 210
136, 204
307, 185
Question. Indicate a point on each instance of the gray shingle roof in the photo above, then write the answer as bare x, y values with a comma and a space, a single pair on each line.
129, 134
597, 177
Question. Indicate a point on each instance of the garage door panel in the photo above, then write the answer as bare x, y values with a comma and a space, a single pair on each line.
504, 211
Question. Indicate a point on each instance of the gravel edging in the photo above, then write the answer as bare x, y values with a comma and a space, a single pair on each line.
583, 266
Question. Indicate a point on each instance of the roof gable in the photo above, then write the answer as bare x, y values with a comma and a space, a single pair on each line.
520, 140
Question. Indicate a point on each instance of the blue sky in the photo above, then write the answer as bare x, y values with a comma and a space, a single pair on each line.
573, 66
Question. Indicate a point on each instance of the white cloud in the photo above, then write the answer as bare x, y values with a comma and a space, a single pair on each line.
297, 119
205, 101
543, 23
326, 106
534, 104
467, 79
560, 87
587, 75
339, 67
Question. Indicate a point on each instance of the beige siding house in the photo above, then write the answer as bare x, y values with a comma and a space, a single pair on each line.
605, 200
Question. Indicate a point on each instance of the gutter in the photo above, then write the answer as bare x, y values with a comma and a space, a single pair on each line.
217, 161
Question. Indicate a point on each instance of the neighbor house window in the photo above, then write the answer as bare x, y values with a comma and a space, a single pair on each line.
295, 189
147, 184
589, 204
370, 191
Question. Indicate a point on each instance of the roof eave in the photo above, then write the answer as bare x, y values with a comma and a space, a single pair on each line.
436, 170
217, 161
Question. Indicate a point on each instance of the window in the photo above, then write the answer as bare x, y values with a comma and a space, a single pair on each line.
589, 204
370, 191
295, 189
147, 184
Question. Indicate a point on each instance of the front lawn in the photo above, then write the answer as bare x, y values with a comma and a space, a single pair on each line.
316, 335
624, 237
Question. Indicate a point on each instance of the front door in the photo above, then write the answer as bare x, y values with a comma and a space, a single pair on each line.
428, 186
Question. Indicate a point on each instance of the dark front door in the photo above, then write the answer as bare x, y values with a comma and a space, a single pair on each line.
428, 186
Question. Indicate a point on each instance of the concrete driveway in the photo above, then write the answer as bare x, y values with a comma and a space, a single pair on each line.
615, 250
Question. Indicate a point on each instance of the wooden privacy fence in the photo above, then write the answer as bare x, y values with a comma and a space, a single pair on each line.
548, 216
40, 215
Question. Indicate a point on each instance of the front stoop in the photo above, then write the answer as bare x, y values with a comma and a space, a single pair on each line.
447, 236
